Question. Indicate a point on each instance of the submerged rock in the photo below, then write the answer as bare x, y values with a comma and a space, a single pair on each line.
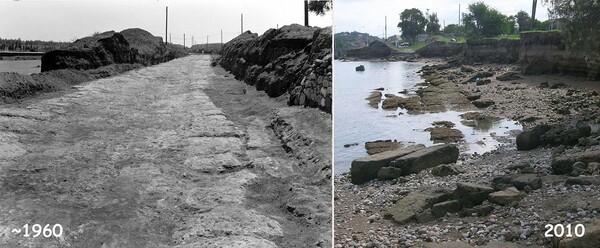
379, 146
374, 98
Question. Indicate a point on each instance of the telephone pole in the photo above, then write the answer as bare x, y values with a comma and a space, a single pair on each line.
207, 42
166, 21
221, 37
183, 40
459, 14
242, 24
306, 13
170, 40
385, 30
533, 14
192, 40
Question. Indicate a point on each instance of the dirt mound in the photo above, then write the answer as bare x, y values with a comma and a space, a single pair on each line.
14, 86
293, 60
126, 47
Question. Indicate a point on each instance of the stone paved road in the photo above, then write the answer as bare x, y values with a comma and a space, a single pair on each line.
143, 159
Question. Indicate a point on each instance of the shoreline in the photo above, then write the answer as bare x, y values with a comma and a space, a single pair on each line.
360, 209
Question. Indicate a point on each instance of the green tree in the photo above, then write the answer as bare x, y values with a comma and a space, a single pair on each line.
581, 20
412, 23
523, 20
454, 30
433, 24
483, 21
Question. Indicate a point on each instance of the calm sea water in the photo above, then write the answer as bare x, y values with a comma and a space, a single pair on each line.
25, 67
356, 122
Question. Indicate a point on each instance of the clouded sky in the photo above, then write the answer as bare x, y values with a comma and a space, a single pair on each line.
369, 15
64, 20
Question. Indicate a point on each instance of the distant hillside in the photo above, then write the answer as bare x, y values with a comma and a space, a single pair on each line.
345, 41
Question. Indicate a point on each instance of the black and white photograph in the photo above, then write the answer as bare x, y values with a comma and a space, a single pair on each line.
157, 123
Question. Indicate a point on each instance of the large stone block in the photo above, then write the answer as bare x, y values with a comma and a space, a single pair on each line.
365, 169
426, 158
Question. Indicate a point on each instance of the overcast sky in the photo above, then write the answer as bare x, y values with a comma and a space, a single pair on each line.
369, 15
64, 20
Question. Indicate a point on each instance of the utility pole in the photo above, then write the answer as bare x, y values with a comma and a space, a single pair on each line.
170, 41
242, 25
221, 37
533, 14
306, 13
183, 40
459, 14
207, 42
166, 21
385, 31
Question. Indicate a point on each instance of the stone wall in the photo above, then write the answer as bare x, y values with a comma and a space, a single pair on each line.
377, 49
293, 60
442, 49
546, 52
501, 51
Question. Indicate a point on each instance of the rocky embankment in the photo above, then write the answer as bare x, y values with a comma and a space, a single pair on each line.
435, 196
129, 46
99, 56
293, 60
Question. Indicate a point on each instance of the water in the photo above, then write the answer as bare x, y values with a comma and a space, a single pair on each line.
25, 67
356, 122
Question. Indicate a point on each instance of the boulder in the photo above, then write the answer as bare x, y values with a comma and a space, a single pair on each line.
563, 165
483, 103
415, 203
565, 134
440, 209
389, 173
360, 68
446, 170
505, 197
426, 158
530, 139
470, 194
365, 169
583, 180
519, 181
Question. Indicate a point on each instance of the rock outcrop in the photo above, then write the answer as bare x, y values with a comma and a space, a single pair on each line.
377, 49
293, 59
546, 52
